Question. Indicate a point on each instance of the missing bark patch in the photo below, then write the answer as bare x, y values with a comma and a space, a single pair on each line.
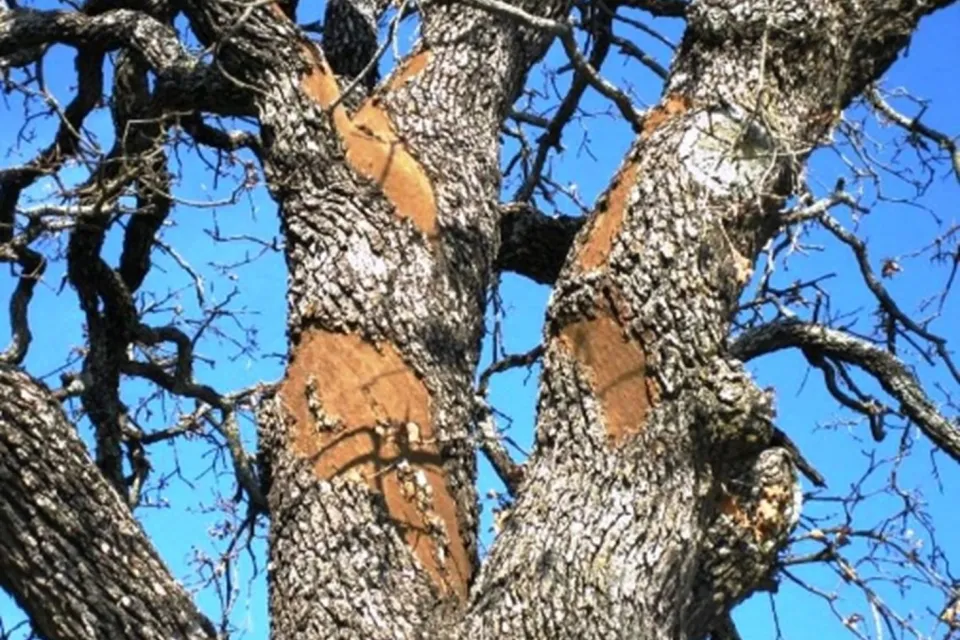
408, 69
373, 148
375, 151
377, 427
607, 220
767, 519
672, 106
319, 83
616, 366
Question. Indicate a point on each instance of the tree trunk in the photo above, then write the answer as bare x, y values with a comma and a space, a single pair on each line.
72, 554
656, 498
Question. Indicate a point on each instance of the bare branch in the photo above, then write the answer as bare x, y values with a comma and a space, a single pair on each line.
887, 303
886, 368
914, 126
156, 42
565, 32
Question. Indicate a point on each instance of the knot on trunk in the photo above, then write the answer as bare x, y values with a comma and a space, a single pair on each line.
757, 505
736, 414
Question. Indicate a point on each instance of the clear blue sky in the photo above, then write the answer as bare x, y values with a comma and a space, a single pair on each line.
181, 530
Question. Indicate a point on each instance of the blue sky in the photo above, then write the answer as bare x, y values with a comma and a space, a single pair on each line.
183, 526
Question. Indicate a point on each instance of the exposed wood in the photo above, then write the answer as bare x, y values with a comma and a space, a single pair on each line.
373, 148
362, 414
616, 366
605, 223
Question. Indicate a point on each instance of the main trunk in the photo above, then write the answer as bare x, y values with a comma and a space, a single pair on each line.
391, 219
655, 499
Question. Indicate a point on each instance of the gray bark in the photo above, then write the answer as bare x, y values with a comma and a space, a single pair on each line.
72, 555
657, 497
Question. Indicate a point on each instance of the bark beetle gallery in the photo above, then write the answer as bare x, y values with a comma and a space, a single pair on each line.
659, 494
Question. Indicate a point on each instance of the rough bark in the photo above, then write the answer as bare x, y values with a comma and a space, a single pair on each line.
392, 228
657, 497
534, 244
655, 500
73, 556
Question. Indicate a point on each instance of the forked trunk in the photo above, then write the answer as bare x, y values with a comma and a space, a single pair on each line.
656, 497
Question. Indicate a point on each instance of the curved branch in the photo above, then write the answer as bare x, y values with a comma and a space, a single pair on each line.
886, 368
534, 244
550, 139
25, 28
181, 383
887, 303
32, 265
71, 554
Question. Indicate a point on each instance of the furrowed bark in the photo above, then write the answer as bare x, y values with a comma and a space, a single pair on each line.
350, 37
392, 229
70, 551
388, 276
655, 499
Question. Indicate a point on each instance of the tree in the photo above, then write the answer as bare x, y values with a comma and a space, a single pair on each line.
660, 492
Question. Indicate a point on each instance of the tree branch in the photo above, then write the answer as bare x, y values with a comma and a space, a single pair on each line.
350, 38
534, 244
156, 42
564, 31
71, 554
887, 303
886, 368
914, 126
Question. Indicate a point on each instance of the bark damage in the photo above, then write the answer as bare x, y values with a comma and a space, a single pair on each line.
615, 360
391, 234
616, 366
606, 221
373, 148
361, 412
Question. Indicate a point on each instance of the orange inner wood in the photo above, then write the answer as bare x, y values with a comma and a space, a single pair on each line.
616, 366
608, 218
672, 106
373, 148
768, 517
408, 69
383, 416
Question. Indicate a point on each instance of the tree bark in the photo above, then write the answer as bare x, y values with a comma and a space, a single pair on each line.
72, 555
656, 498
